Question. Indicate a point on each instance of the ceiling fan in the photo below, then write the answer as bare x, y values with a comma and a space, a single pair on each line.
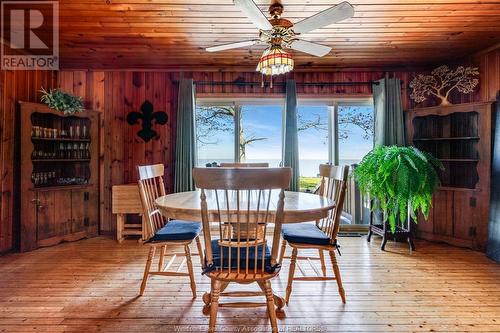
279, 33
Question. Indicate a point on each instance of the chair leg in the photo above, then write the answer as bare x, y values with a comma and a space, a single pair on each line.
200, 251
271, 309
384, 241
412, 245
190, 269
151, 255
336, 271
291, 273
214, 304
322, 259
283, 249
163, 252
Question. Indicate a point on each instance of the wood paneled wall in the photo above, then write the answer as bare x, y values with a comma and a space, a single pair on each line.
14, 86
489, 67
116, 93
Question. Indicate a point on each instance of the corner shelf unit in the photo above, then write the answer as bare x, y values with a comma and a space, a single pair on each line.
58, 175
460, 137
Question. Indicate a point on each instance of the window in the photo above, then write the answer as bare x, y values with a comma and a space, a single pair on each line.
215, 133
261, 134
338, 132
313, 142
259, 126
355, 132
335, 131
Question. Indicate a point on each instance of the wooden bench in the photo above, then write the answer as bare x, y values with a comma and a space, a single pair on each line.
126, 200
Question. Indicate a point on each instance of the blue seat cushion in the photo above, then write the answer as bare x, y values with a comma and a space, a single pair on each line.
177, 230
306, 233
217, 263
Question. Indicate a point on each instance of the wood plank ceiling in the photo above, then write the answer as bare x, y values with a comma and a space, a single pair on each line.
173, 33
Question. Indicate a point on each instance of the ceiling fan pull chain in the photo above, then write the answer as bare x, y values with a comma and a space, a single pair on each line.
262, 80
271, 86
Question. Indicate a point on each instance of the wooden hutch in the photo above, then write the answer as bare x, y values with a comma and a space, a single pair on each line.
460, 136
58, 176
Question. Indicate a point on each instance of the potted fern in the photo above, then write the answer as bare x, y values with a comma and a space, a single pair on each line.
400, 179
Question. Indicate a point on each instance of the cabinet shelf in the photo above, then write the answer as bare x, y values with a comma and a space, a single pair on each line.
58, 185
62, 160
459, 136
60, 139
448, 138
61, 187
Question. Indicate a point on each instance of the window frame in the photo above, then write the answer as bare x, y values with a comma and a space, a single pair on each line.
333, 106
331, 102
238, 103
333, 141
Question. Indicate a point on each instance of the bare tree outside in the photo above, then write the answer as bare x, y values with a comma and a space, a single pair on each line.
351, 115
213, 119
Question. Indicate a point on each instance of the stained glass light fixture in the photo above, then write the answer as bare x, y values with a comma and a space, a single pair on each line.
275, 61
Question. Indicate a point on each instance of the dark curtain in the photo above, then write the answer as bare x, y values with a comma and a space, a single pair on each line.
291, 144
493, 248
388, 110
389, 121
185, 143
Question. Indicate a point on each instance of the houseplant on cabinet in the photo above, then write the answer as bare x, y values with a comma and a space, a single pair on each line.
62, 101
401, 180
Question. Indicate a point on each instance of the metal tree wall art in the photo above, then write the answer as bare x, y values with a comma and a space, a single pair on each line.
149, 118
442, 81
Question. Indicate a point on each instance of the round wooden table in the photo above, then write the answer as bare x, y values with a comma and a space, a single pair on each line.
299, 207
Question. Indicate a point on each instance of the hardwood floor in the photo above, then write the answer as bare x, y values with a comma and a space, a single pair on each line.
92, 285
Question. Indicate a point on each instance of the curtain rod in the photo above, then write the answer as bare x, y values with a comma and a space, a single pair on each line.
255, 83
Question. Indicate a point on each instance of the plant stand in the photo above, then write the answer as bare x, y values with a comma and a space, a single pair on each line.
402, 233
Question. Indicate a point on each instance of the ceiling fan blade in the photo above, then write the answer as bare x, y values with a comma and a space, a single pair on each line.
329, 16
250, 9
317, 50
232, 45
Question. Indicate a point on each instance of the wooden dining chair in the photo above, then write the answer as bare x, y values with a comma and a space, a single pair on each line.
321, 235
160, 232
244, 165
244, 197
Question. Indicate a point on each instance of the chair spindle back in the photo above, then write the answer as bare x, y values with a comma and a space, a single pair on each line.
244, 198
151, 187
333, 186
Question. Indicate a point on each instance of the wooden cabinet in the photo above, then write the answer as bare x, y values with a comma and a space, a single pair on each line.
460, 136
58, 178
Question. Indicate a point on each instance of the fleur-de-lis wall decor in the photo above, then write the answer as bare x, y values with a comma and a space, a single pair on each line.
148, 118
